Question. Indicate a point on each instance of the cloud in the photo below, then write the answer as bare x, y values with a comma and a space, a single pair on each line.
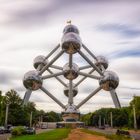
130, 52
121, 30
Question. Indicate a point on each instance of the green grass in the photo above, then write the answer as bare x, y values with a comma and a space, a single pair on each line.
111, 137
57, 134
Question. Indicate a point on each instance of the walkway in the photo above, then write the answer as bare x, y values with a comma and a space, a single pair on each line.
77, 134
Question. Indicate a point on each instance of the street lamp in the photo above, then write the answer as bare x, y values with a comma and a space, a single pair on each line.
134, 114
6, 114
111, 119
31, 116
99, 121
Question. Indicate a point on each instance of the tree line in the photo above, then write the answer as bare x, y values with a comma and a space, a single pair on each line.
19, 114
123, 117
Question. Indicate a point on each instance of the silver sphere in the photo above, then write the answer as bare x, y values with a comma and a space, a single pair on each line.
66, 91
71, 42
32, 81
109, 81
70, 28
40, 61
70, 73
101, 61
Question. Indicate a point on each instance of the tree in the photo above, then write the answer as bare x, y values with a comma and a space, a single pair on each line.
52, 117
136, 103
87, 118
120, 117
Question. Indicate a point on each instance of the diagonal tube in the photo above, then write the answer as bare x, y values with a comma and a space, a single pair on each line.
51, 62
84, 67
82, 79
56, 67
52, 97
26, 97
52, 75
87, 59
89, 51
88, 75
52, 51
57, 78
88, 97
115, 98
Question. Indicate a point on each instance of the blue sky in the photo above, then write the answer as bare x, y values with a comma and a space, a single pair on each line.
30, 28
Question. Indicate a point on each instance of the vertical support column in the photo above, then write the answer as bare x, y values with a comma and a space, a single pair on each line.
70, 92
70, 100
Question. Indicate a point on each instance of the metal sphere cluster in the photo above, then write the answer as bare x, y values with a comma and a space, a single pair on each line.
109, 81
74, 90
71, 41
70, 73
32, 81
40, 61
101, 61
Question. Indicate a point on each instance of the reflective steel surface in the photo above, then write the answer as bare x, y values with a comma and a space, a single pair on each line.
39, 60
109, 81
70, 73
32, 81
101, 61
66, 91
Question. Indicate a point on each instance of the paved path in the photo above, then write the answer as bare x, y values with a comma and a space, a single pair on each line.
134, 135
77, 134
4, 136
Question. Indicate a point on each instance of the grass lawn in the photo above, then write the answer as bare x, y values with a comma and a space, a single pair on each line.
57, 134
111, 137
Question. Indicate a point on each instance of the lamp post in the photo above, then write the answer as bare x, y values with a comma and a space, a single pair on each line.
111, 119
6, 114
31, 116
99, 122
134, 114
135, 119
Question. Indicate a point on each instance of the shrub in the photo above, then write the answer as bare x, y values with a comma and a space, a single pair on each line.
18, 131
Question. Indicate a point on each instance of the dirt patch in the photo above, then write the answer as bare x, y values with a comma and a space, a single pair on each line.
76, 134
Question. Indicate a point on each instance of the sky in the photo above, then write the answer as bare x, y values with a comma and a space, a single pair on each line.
34, 27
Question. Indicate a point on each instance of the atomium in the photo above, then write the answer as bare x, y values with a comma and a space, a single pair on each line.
93, 67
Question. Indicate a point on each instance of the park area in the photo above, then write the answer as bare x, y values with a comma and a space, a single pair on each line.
70, 134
